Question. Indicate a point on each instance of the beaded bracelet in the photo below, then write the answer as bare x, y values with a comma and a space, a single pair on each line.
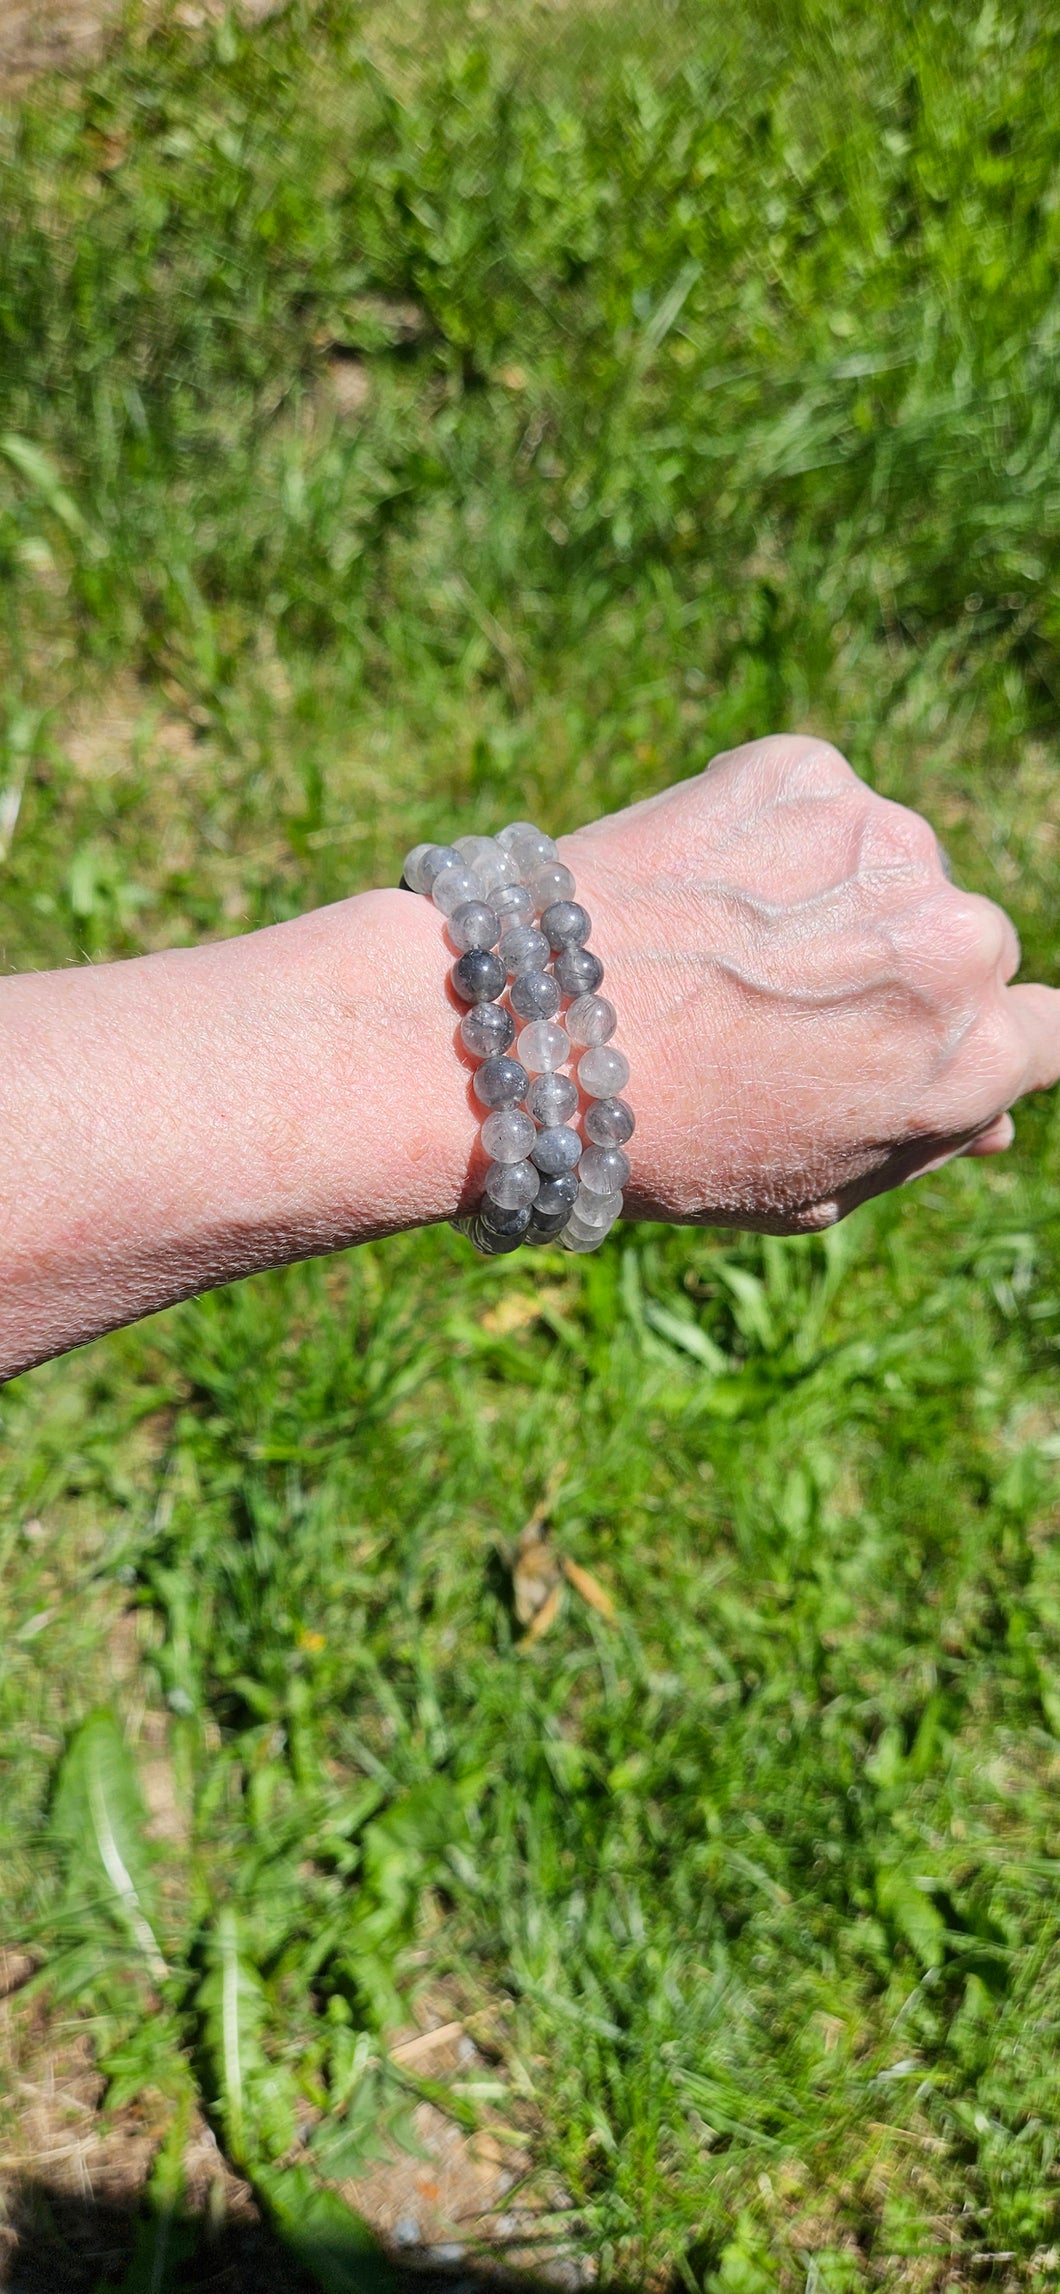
545, 1182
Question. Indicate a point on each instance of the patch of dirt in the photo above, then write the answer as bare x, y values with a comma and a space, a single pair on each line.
48, 35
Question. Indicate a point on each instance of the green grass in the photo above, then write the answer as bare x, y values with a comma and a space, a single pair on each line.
710, 387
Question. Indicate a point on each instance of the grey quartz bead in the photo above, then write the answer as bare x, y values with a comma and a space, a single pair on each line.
529, 846
603, 1071
513, 903
433, 860
543, 1231
478, 977
604, 1170
550, 883
557, 1194
453, 886
412, 864
608, 1122
475, 925
486, 1029
591, 1020
513, 1221
477, 853
524, 950
578, 971
597, 1210
543, 1046
501, 1082
535, 996
491, 1244
552, 1098
566, 924
557, 1149
508, 1136
512, 1183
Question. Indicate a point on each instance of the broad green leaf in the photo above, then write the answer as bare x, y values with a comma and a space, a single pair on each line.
324, 2234
98, 1816
39, 471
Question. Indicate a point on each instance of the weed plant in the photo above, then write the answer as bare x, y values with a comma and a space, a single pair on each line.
405, 423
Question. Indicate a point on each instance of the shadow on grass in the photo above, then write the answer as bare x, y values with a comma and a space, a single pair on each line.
58, 2242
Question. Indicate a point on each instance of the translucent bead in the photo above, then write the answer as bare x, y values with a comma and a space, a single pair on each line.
544, 1231
603, 1170
565, 924
551, 883
476, 853
590, 1020
551, 1098
597, 1210
543, 1046
486, 1029
512, 1183
434, 859
453, 886
578, 1239
508, 1136
478, 977
490, 1243
578, 971
535, 996
529, 847
557, 1149
603, 1071
410, 867
516, 828
497, 868
500, 1082
513, 903
556, 1195
608, 1122
524, 950
475, 925
500, 1221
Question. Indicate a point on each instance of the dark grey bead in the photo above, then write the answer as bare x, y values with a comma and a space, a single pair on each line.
490, 1243
578, 971
478, 977
535, 996
555, 1194
505, 1222
609, 1122
486, 1029
474, 925
523, 949
436, 857
551, 1098
566, 924
557, 1149
546, 1230
501, 1082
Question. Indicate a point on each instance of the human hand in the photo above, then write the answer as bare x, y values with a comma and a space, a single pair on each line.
813, 1013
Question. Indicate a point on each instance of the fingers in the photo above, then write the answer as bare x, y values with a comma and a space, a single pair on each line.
994, 1139
1036, 1013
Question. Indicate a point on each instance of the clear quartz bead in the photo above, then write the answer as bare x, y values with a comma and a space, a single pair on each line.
552, 1098
598, 1211
513, 903
508, 1136
566, 924
609, 1122
590, 1020
543, 1046
476, 852
516, 828
535, 996
500, 1081
556, 1149
497, 867
524, 950
475, 925
575, 1238
512, 1183
578, 971
550, 883
604, 1170
486, 1029
603, 1071
528, 846
452, 887
410, 867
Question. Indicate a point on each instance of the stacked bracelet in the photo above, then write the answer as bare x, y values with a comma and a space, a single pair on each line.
520, 940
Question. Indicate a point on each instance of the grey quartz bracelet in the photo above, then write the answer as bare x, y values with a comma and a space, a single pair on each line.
556, 1142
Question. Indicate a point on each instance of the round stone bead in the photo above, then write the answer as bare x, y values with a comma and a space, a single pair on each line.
490, 1243
476, 853
578, 971
411, 866
543, 1046
590, 1020
508, 1136
556, 1195
557, 1149
453, 886
478, 977
513, 903
500, 1082
608, 1122
551, 1098
486, 1029
529, 847
516, 828
603, 1170
550, 883
511, 1183
497, 868
433, 860
544, 1231
524, 950
505, 1222
535, 996
475, 925
566, 924
597, 1210
603, 1071
577, 1238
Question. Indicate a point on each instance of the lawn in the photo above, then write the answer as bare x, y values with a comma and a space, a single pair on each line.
408, 421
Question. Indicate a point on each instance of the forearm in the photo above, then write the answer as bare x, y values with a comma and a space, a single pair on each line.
177, 1121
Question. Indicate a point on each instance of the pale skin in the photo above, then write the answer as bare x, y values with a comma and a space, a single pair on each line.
811, 1011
